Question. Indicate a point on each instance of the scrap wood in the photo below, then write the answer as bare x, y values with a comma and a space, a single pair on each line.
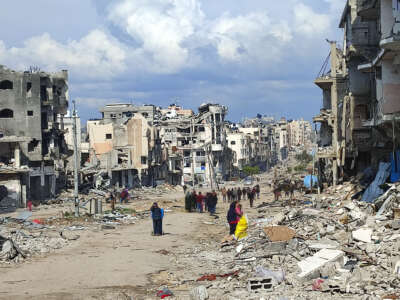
279, 233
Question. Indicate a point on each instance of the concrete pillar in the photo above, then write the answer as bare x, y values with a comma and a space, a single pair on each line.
53, 185
130, 178
23, 196
17, 156
123, 175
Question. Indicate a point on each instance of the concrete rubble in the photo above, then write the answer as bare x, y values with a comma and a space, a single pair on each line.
307, 252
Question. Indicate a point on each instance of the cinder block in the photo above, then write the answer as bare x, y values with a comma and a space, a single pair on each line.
260, 284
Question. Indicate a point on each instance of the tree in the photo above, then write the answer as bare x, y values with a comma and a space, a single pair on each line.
250, 171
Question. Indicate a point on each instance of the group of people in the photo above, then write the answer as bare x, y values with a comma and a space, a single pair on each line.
237, 194
201, 202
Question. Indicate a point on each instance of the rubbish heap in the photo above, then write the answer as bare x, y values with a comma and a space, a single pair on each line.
327, 247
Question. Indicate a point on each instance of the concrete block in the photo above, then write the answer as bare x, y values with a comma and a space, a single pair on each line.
260, 284
311, 266
363, 235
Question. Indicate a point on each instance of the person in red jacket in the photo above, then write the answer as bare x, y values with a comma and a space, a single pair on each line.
199, 201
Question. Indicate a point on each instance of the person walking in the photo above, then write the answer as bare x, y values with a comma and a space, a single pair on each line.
207, 200
193, 200
251, 195
199, 201
233, 216
258, 191
239, 193
124, 196
223, 192
157, 214
188, 202
235, 194
213, 202
244, 193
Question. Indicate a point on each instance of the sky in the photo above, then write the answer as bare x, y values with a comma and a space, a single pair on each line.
254, 56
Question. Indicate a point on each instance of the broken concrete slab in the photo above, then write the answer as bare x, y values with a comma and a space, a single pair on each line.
363, 235
322, 244
311, 266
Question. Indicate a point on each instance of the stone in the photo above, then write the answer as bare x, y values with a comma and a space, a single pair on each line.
396, 224
311, 266
8, 250
70, 236
363, 235
199, 293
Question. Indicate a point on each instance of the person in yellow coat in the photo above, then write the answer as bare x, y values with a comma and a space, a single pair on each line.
242, 225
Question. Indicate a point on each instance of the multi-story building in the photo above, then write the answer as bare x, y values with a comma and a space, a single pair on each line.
32, 145
299, 133
126, 144
196, 145
360, 92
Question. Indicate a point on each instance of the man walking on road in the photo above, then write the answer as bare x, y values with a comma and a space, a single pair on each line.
157, 214
199, 201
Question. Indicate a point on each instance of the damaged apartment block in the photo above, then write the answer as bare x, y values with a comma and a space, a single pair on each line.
361, 107
125, 145
196, 145
32, 144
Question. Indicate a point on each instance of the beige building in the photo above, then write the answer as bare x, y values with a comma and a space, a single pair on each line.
127, 150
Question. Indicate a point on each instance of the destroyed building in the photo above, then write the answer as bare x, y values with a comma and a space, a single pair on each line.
361, 88
126, 145
32, 145
196, 145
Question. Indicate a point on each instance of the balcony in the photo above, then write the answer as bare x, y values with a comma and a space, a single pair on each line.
324, 82
391, 43
325, 116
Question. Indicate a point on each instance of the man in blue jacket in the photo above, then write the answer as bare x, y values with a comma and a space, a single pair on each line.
157, 214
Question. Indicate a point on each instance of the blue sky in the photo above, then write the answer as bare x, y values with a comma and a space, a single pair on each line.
254, 56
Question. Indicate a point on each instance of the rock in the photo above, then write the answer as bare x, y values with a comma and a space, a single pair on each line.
70, 236
396, 224
8, 250
311, 266
363, 235
199, 293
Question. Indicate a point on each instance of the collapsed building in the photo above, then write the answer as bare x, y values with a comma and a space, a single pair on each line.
358, 120
196, 146
32, 145
125, 144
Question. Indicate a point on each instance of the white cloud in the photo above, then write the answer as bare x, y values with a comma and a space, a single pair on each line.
161, 27
253, 37
308, 22
170, 36
96, 55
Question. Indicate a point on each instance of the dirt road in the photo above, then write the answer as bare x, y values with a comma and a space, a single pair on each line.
99, 262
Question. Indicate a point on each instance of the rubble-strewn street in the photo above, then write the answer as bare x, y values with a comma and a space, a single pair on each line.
200, 150
315, 246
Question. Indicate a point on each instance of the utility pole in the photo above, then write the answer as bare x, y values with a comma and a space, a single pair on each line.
76, 165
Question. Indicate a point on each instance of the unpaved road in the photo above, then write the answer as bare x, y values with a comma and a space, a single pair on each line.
100, 261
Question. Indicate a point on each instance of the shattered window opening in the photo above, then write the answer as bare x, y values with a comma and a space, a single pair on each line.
6, 114
6, 85
108, 136
32, 145
29, 113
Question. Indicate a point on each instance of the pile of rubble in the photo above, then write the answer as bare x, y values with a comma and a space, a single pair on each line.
327, 247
